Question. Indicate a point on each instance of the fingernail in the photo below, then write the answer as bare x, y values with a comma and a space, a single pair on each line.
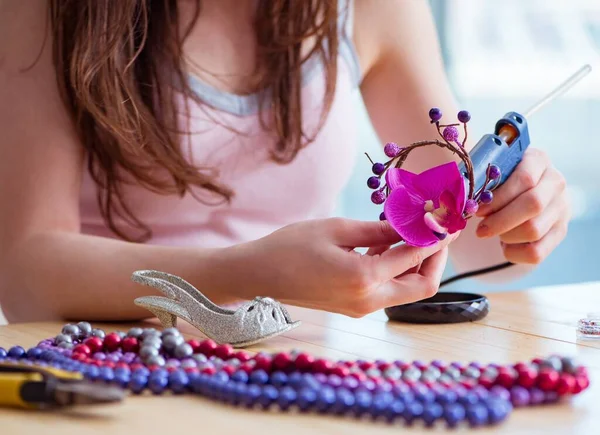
482, 212
483, 231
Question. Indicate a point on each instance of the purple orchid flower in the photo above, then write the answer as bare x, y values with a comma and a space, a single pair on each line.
424, 208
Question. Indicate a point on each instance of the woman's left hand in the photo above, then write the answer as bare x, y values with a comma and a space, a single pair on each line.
530, 211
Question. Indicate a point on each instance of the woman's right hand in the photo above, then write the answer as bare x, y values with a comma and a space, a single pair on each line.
314, 264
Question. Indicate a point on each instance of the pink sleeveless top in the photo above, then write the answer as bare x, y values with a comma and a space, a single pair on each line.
268, 195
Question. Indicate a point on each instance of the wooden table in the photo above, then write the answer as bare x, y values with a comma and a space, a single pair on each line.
521, 326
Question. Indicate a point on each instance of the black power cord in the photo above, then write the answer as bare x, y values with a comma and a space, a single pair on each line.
476, 272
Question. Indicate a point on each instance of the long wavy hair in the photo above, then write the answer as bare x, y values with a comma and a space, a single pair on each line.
121, 71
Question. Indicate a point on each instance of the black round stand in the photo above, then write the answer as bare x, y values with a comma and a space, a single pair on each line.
451, 307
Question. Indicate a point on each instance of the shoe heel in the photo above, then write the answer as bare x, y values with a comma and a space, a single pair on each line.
167, 320
166, 310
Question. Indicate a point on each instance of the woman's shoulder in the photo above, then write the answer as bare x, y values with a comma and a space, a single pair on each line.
23, 27
377, 24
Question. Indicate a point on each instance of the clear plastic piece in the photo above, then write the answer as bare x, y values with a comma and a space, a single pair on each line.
589, 327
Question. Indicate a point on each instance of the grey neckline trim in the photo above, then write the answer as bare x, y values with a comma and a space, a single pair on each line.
246, 105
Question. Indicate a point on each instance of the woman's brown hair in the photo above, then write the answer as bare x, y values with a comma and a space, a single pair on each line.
120, 68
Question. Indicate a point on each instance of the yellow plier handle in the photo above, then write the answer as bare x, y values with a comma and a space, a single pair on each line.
23, 390
32, 387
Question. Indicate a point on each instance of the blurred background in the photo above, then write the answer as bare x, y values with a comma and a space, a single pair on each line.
503, 55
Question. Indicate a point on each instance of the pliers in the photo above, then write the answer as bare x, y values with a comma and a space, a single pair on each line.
31, 387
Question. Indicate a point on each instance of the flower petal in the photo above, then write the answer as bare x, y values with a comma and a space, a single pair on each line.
453, 219
448, 201
395, 177
405, 214
456, 223
459, 189
431, 183
433, 224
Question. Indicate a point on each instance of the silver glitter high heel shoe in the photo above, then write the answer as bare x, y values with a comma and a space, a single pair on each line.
252, 322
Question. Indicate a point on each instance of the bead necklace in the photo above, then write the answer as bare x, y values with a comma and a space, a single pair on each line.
163, 361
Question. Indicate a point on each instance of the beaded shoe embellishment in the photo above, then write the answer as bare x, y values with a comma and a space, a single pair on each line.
252, 322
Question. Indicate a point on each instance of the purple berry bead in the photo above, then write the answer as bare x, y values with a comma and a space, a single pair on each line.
402, 390
373, 182
471, 207
481, 392
334, 381
536, 396
378, 168
432, 412
460, 390
435, 114
494, 172
378, 197
500, 392
450, 133
454, 413
486, 197
369, 385
551, 397
412, 411
477, 414
382, 216
383, 388
279, 379
464, 116
129, 357
16, 352
321, 377
498, 410
391, 149
350, 383
519, 396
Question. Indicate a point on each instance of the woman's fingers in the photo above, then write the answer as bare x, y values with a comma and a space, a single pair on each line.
377, 250
527, 205
535, 229
535, 252
415, 286
354, 234
526, 176
398, 260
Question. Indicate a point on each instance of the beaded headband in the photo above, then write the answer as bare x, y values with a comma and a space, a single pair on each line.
424, 208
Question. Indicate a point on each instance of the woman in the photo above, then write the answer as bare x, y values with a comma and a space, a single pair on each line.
210, 139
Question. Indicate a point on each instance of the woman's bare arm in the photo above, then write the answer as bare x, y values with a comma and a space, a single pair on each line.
48, 269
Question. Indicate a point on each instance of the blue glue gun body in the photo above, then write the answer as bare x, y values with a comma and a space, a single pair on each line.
504, 148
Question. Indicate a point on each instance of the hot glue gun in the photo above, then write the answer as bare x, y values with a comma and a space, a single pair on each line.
506, 146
